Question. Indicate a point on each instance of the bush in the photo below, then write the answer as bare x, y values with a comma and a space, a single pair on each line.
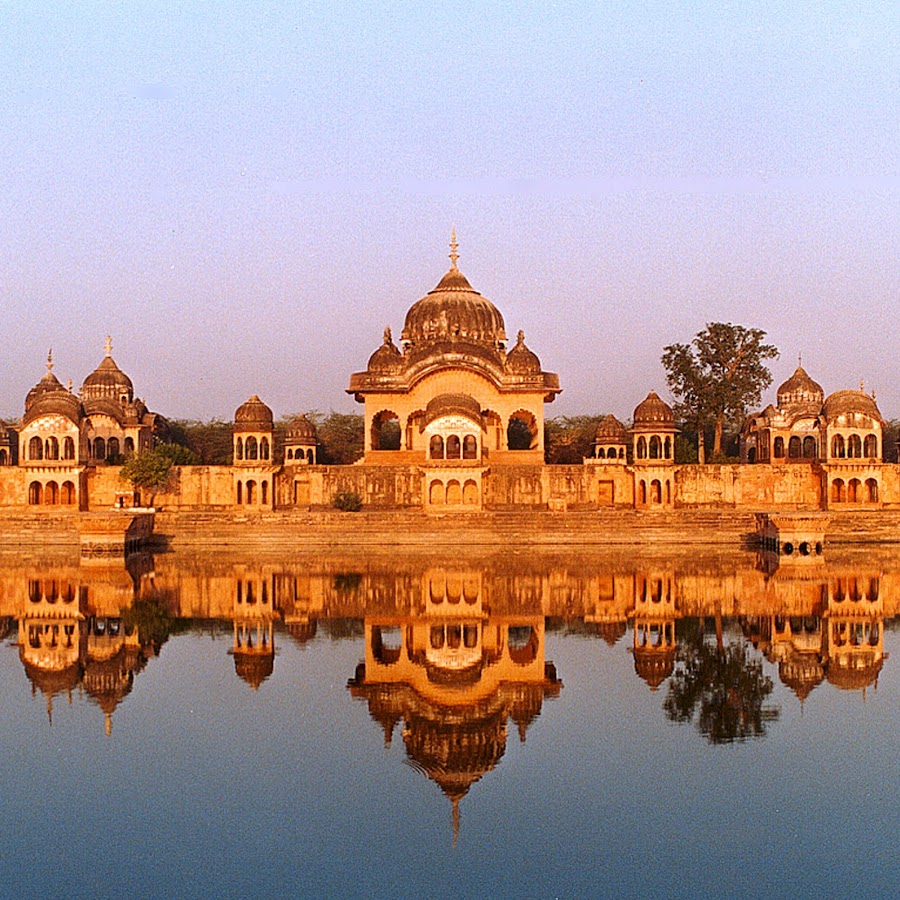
347, 501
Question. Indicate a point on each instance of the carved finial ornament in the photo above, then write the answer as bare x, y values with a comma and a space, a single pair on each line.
388, 338
108, 346
50, 360
454, 256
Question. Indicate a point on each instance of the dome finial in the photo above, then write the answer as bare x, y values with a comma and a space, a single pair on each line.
799, 360
454, 256
50, 360
107, 347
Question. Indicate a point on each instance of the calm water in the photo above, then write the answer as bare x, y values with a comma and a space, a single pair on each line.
506, 726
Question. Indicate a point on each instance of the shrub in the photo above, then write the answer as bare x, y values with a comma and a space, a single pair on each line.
347, 501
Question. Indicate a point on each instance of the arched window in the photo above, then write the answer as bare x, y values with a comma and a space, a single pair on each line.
668, 491
264, 489
51, 493
655, 448
436, 492
643, 492
99, 449
290, 454
68, 448
454, 492
67, 494
240, 492
521, 433
310, 456
853, 486
470, 493
837, 447
655, 491
837, 490
385, 434
794, 448
239, 448
436, 447
668, 449
453, 447
854, 446
470, 447
642, 448
35, 493
601, 453
809, 447
52, 448
112, 448
251, 448
264, 448
779, 448
35, 448
870, 447
871, 490
129, 446
251, 492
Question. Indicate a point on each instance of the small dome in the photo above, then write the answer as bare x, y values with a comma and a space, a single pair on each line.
800, 388
107, 381
387, 358
454, 311
301, 430
253, 415
654, 665
254, 668
851, 402
611, 431
653, 412
450, 404
522, 361
49, 397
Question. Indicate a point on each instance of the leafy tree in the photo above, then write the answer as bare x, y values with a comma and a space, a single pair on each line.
148, 471
179, 455
890, 436
341, 436
718, 376
211, 441
569, 439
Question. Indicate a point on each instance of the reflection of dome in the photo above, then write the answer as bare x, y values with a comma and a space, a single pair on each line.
522, 361
254, 668
654, 665
302, 632
109, 681
454, 311
611, 632
253, 415
611, 431
851, 402
800, 388
53, 681
801, 672
452, 404
854, 677
653, 412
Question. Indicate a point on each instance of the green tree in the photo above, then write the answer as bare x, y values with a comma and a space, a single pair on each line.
889, 439
718, 376
150, 471
211, 441
341, 436
569, 439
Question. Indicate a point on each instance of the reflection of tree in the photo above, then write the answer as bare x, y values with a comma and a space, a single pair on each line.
722, 686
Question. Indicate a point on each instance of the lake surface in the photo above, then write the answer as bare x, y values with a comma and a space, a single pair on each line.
573, 725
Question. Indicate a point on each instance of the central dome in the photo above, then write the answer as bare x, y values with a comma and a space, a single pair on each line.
454, 311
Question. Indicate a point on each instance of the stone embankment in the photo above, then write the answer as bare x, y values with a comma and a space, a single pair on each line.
393, 530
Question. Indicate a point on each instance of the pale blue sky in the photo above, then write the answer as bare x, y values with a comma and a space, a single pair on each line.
245, 194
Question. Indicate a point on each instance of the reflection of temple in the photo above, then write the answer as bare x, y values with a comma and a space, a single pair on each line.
839, 638
254, 628
454, 676
68, 641
654, 628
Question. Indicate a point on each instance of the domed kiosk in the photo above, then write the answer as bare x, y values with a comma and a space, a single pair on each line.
450, 396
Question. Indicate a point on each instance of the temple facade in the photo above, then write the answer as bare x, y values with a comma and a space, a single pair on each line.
454, 422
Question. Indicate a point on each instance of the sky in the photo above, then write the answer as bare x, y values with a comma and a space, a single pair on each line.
243, 195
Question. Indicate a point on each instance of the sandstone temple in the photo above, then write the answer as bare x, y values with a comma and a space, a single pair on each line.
454, 422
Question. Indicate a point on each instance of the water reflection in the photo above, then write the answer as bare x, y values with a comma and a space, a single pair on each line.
455, 652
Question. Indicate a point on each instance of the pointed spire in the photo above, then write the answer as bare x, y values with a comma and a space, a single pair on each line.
50, 360
799, 360
455, 817
108, 725
107, 347
454, 256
